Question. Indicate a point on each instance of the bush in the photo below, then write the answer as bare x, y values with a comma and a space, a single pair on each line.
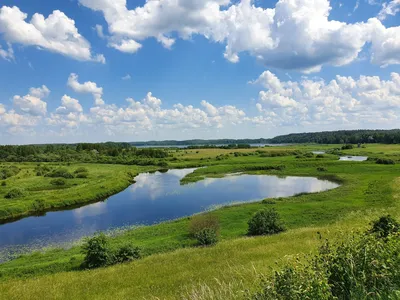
127, 253
322, 169
163, 164
385, 226
81, 170
38, 205
58, 182
347, 147
63, 173
265, 222
15, 193
385, 161
207, 237
3, 183
203, 221
361, 267
97, 253
82, 175
320, 156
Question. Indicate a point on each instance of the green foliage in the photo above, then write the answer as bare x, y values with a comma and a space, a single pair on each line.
97, 253
8, 172
207, 237
361, 267
203, 221
265, 222
15, 193
320, 156
61, 172
205, 229
385, 161
58, 182
347, 147
322, 169
385, 226
38, 205
127, 253
81, 170
3, 183
82, 175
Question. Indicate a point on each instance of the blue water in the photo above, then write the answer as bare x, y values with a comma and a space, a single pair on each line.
152, 199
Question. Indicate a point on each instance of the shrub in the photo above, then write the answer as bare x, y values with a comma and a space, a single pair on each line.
82, 175
38, 205
163, 164
207, 237
385, 226
81, 170
385, 161
203, 221
265, 222
322, 169
127, 253
58, 182
60, 173
3, 183
361, 267
268, 201
15, 193
347, 147
97, 253
320, 156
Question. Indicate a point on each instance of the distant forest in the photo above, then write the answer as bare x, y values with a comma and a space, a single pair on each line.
340, 137
199, 142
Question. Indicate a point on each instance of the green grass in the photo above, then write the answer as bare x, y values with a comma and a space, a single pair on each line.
102, 182
173, 267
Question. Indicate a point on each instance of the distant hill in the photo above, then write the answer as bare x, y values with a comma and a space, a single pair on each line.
201, 142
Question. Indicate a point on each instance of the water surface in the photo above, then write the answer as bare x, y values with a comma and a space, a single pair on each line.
353, 158
152, 199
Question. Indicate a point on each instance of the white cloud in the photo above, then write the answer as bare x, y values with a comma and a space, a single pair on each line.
296, 34
2, 109
40, 92
343, 100
99, 30
389, 9
126, 77
69, 105
88, 87
7, 54
56, 33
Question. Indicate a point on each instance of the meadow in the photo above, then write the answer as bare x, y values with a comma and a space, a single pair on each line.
173, 267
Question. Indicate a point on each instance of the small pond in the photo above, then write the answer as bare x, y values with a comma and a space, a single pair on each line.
152, 199
353, 158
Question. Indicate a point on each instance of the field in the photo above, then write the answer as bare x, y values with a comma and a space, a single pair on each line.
173, 268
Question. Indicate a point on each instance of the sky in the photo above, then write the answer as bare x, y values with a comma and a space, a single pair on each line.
135, 70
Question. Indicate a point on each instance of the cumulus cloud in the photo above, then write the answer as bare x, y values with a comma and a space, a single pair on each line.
56, 33
32, 103
343, 100
69, 105
296, 34
88, 87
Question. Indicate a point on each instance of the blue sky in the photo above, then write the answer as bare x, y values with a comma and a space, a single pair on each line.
215, 69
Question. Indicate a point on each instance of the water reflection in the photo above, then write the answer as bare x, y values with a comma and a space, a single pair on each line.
153, 198
353, 158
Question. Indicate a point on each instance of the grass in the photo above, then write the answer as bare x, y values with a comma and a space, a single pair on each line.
174, 269
102, 182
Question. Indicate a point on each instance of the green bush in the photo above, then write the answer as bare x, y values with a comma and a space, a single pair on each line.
81, 170
207, 237
58, 182
15, 193
320, 156
385, 226
127, 253
82, 175
265, 222
3, 183
347, 147
38, 205
322, 169
361, 267
63, 173
385, 161
203, 221
97, 253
